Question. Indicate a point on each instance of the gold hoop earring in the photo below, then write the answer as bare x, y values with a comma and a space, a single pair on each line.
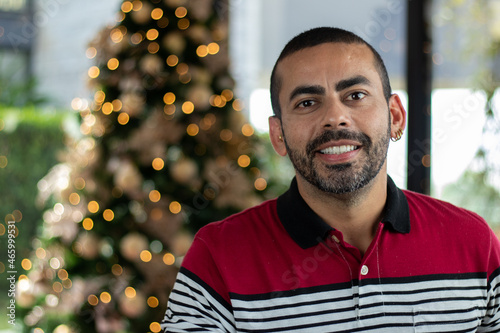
398, 136
280, 138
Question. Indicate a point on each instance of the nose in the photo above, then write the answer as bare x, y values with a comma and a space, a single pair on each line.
336, 115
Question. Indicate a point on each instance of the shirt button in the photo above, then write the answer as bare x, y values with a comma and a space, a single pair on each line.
364, 270
335, 239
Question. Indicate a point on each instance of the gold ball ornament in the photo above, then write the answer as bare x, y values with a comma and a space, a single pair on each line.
201, 9
151, 64
87, 245
175, 3
132, 245
133, 306
63, 329
24, 296
128, 178
220, 31
200, 34
200, 96
132, 103
201, 75
184, 170
175, 43
237, 119
181, 243
130, 82
143, 15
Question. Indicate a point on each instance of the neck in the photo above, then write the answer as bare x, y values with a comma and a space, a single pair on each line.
355, 214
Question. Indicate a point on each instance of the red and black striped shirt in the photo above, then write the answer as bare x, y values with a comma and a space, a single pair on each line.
277, 267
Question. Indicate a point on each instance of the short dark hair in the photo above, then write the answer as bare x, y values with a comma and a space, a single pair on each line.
319, 36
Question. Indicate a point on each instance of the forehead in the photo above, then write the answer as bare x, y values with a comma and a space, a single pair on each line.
327, 62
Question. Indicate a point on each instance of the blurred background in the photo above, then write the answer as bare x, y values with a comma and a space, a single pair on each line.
125, 126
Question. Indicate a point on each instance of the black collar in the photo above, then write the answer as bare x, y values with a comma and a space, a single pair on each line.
306, 228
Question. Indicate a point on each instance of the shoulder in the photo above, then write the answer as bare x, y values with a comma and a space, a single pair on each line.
425, 209
228, 245
463, 237
250, 220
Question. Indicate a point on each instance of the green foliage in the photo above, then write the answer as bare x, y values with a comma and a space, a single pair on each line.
29, 142
20, 93
17, 88
473, 191
280, 169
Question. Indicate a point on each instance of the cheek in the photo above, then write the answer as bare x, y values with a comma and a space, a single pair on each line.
297, 136
298, 130
373, 124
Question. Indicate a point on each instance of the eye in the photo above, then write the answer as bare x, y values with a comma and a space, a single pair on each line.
306, 104
356, 96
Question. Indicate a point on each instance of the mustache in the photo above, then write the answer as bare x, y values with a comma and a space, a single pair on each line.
335, 136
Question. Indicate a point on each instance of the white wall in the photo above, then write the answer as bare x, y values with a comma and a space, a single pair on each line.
64, 29
259, 29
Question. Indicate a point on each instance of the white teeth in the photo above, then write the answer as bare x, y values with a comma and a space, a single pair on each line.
335, 150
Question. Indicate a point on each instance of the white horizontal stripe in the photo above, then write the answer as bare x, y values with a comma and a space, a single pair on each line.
193, 303
492, 317
436, 304
448, 305
410, 293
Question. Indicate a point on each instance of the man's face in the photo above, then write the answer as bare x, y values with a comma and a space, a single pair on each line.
335, 120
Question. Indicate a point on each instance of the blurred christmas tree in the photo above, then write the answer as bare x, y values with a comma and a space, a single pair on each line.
164, 150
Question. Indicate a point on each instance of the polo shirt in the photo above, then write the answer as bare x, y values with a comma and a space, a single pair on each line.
278, 267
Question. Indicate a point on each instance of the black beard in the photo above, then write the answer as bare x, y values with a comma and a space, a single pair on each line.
343, 178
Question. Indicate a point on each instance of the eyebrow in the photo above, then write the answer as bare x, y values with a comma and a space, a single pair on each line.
347, 83
319, 90
300, 90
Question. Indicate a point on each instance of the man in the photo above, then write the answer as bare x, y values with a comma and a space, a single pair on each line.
343, 250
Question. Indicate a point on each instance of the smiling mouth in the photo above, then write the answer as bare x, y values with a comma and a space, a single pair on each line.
337, 150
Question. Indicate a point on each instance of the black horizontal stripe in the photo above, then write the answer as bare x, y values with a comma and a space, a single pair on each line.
206, 287
310, 306
365, 297
183, 305
445, 323
327, 323
186, 315
453, 305
187, 295
294, 316
491, 325
363, 317
424, 278
420, 291
492, 277
423, 301
294, 292
208, 308
365, 282
296, 304
300, 327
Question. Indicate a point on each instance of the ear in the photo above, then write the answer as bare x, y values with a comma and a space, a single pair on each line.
276, 135
398, 114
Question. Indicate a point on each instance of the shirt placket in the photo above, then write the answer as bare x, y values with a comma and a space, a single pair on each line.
360, 268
